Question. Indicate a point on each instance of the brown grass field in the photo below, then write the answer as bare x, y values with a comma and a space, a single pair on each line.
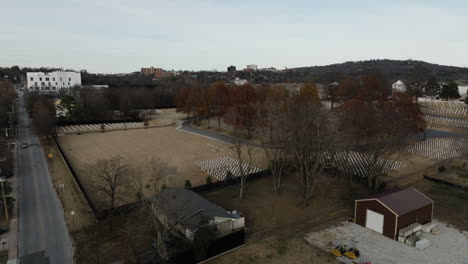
177, 148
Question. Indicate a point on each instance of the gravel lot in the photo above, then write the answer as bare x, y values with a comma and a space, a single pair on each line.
451, 246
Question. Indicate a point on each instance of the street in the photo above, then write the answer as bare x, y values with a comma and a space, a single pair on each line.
41, 221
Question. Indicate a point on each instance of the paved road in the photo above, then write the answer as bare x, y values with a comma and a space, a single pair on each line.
187, 127
434, 133
41, 221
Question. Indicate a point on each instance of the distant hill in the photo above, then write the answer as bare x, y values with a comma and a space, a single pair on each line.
392, 69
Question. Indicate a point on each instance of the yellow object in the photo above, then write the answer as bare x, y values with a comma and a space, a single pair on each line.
50, 155
350, 255
335, 252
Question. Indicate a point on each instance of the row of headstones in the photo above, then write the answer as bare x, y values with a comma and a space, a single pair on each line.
217, 162
452, 111
440, 148
357, 163
219, 168
255, 132
95, 127
444, 104
215, 148
447, 107
448, 121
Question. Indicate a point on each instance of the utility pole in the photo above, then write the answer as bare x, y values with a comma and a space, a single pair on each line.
97, 246
2, 179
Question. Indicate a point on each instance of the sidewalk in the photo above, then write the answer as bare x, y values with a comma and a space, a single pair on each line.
11, 237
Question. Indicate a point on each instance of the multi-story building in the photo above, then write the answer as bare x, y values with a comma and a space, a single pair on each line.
52, 81
252, 67
151, 71
157, 72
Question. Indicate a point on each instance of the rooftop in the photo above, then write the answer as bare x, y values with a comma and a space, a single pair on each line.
403, 201
187, 207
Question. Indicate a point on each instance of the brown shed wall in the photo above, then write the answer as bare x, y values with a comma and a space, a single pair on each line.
373, 205
422, 215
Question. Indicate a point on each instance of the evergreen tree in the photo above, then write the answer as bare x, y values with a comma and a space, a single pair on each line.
450, 91
432, 87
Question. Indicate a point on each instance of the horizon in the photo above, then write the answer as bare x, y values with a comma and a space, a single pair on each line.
224, 70
120, 37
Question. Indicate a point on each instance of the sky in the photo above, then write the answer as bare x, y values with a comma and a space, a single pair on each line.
115, 36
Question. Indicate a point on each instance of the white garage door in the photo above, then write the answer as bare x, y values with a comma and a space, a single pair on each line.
374, 221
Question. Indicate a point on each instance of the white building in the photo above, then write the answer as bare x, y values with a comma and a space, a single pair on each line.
240, 82
399, 86
52, 81
252, 67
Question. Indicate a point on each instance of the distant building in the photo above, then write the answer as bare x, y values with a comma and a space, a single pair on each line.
150, 71
231, 68
462, 89
52, 81
165, 74
399, 86
252, 67
240, 82
157, 72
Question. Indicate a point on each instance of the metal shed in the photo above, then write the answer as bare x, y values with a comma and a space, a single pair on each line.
388, 212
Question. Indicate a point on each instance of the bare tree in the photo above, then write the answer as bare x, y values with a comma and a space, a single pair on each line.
43, 117
160, 173
137, 182
111, 179
271, 120
244, 166
312, 139
379, 128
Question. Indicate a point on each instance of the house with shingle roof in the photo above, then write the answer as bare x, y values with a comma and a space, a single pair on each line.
185, 211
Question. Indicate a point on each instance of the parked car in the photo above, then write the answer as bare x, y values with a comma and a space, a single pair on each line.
3, 230
24, 145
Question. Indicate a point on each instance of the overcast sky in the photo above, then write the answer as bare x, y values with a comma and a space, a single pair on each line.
122, 36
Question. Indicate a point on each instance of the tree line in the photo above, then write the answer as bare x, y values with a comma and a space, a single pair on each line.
7, 123
302, 134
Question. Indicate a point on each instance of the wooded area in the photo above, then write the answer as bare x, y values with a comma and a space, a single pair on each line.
302, 133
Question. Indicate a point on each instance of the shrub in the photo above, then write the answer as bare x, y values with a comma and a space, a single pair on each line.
441, 168
209, 180
188, 184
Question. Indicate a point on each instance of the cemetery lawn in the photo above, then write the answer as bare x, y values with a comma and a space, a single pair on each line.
177, 148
